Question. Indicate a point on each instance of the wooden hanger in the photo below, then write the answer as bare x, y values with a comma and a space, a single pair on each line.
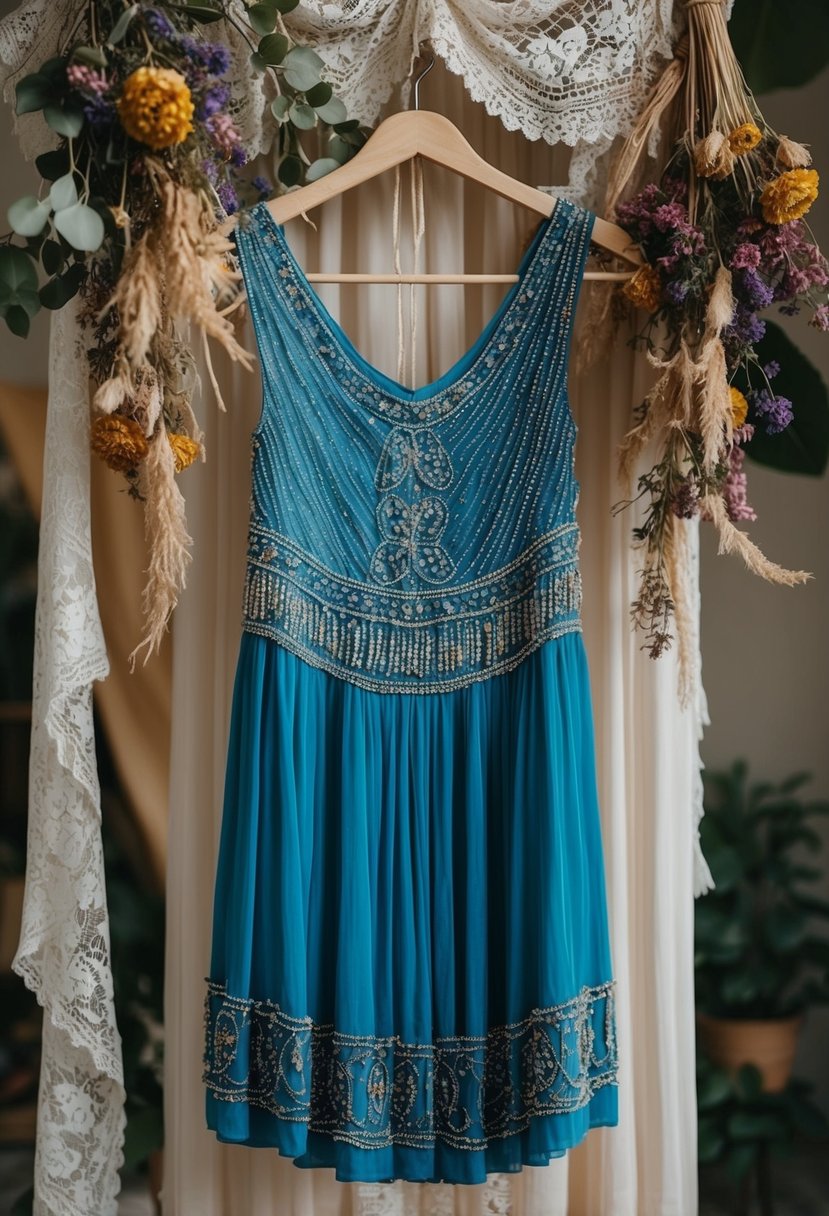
423, 133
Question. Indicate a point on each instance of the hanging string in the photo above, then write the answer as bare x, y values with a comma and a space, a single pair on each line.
395, 227
418, 230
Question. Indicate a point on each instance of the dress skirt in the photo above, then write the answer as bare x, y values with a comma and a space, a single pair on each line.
410, 973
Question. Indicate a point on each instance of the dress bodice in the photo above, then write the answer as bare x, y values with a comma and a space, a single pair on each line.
414, 540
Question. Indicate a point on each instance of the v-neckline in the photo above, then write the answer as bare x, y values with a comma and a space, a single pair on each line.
450, 378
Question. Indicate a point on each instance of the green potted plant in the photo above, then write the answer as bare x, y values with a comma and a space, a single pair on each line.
760, 961
742, 1125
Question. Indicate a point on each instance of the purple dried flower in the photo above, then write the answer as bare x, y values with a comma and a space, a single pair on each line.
158, 23
756, 292
214, 100
263, 186
746, 327
771, 369
775, 412
745, 256
676, 290
228, 197
217, 58
210, 171
99, 113
820, 317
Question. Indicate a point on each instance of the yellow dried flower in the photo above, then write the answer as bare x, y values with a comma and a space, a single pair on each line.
119, 442
185, 450
743, 138
739, 407
644, 289
789, 196
155, 107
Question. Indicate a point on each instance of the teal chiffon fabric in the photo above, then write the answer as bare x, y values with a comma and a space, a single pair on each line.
411, 973
434, 867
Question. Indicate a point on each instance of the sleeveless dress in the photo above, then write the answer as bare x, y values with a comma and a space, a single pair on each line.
411, 972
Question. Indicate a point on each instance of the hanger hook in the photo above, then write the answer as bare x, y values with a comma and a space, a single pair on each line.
423, 72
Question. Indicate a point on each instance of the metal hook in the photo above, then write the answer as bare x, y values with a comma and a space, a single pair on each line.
424, 72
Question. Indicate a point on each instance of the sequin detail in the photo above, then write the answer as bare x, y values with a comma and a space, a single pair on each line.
414, 541
386, 638
374, 1092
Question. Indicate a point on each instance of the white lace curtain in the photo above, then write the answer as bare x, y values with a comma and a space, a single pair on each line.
571, 72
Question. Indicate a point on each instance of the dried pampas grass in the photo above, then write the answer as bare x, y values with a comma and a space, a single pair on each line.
165, 527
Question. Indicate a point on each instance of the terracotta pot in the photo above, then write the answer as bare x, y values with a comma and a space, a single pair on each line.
769, 1044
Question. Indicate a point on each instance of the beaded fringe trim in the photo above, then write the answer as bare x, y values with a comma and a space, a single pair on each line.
397, 641
374, 1092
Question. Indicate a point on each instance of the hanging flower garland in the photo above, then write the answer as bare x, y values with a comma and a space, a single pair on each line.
149, 162
724, 237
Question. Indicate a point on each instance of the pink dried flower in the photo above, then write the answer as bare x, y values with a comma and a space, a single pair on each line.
746, 257
86, 79
820, 317
735, 485
223, 133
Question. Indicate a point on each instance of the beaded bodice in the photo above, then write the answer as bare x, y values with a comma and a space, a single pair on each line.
414, 540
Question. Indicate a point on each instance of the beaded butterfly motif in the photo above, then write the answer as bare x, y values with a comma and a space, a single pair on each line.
411, 541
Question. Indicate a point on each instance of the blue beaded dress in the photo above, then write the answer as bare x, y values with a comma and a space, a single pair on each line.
411, 973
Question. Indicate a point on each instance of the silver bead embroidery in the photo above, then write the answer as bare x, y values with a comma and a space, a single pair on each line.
374, 1092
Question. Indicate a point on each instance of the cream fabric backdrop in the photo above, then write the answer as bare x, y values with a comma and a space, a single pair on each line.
647, 746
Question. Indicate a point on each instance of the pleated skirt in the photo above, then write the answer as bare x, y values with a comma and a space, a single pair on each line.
410, 972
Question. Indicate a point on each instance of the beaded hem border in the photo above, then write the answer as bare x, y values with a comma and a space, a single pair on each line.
375, 1092
390, 640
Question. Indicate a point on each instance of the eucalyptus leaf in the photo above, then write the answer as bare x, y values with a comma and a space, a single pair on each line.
52, 165
302, 68
17, 270
202, 13
346, 128
81, 226
257, 62
319, 94
17, 320
338, 150
280, 107
28, 299
51, 255
319, 168
33, 93
302, 116
780, 46
92, 55
60, 290
64, 192
262, 18
28, 216
333, 111
804, 445
273, 48
122, 25
66, 119
285, 6
290, 170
